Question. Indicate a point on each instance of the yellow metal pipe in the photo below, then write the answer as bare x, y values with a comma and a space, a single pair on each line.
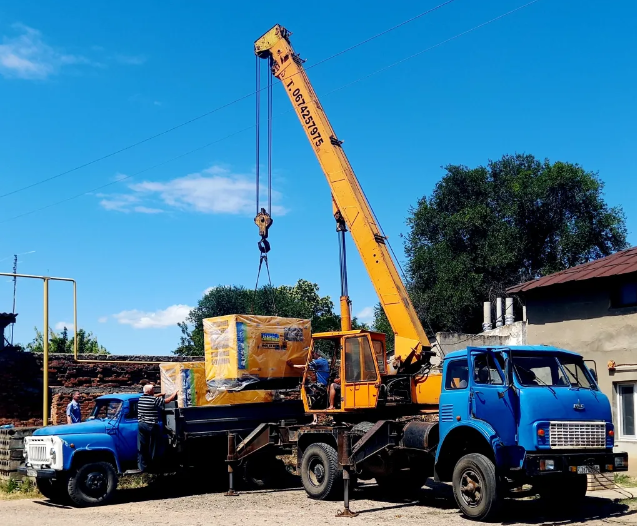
75, 319
45, 365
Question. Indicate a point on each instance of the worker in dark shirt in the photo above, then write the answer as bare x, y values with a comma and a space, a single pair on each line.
319, 365
149, 433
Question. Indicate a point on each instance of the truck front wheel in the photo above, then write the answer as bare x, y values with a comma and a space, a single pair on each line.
476, 488
92, 484
321, 474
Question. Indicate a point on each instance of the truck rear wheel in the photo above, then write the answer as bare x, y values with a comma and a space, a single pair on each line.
476, 488
321, 474
92, 484
54, 490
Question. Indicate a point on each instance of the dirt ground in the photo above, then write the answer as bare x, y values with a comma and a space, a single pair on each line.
175, 502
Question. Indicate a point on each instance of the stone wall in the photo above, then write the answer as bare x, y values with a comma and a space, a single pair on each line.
21, 382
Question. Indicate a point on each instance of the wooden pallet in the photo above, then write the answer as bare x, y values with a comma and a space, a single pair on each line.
601, 481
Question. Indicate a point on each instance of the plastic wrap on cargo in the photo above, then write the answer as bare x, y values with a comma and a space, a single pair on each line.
188, 378
241, 350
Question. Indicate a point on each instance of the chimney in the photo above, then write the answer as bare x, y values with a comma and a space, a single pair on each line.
486, 324
509, 317
498, 312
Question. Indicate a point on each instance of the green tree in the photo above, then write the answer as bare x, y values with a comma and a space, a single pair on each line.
299, 301
485, 229
62, 344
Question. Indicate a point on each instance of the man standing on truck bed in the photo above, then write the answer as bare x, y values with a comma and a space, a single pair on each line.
149, 434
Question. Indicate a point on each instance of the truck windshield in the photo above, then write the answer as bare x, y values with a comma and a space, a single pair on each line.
552, 370
106, 409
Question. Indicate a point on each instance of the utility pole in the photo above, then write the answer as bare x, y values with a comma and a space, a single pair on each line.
15, 283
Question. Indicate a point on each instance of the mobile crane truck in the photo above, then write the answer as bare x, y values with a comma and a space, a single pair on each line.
493, 420
506, 416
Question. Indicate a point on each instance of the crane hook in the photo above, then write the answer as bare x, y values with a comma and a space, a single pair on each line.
264, 221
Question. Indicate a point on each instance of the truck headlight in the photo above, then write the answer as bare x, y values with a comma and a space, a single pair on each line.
53, 455
620, 462
547, 464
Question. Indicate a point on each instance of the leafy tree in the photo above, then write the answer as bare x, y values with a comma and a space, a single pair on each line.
485, 229
299, 301
63, 344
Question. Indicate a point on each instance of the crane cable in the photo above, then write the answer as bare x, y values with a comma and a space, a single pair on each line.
263, 218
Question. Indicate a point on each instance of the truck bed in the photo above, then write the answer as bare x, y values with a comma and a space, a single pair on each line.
207, 421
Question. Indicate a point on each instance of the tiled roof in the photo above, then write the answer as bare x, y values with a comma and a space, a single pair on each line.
622, 262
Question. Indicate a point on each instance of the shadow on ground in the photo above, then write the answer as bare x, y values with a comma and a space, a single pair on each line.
515, 511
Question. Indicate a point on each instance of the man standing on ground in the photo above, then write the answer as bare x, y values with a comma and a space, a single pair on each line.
149, 434
73, 411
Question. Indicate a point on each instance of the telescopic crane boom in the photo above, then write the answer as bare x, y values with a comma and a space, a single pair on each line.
351, 208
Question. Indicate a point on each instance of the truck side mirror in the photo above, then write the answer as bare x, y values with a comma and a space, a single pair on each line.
592, 368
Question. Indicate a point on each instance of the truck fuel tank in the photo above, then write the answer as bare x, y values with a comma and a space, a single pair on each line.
420, 435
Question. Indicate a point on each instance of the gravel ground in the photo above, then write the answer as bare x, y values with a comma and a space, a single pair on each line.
175, 503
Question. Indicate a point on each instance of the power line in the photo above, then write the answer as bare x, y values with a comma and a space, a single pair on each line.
215, 110
286, 111
127, 177
437, 45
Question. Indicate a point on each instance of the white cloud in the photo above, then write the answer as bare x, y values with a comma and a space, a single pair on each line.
153, 320
131, 60
61, 324
102, 319
211, 191
207, 291
28, 56
366, 315
147, 210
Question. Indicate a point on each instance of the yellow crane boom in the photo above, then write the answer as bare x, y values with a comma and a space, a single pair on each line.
350, 202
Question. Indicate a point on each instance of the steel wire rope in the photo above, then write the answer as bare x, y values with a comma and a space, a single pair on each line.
218, 108
282, 112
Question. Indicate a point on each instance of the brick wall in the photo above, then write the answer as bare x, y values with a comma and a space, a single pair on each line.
21, 382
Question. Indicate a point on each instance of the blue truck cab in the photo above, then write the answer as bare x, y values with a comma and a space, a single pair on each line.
512, 416
82, 461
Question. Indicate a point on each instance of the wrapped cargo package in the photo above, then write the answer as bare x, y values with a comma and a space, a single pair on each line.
241, 350
188, 378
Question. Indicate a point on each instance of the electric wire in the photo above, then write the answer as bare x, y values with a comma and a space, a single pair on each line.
158, 165
282, 112
215, 110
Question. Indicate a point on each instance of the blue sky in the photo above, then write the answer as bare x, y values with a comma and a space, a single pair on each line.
78, 81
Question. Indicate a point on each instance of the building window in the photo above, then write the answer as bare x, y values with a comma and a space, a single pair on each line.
626, 410
625, 296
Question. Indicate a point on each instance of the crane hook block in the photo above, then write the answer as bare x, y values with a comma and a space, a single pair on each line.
263, 221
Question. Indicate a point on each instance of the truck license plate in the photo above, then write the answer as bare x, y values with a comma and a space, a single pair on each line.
31, 472
584, 470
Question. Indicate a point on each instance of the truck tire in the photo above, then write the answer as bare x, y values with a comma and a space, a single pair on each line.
567, 490
92, 484
476, 487
361, 429
54, 490
321, 474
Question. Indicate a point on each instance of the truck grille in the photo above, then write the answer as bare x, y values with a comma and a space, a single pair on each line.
577, 435
38, 453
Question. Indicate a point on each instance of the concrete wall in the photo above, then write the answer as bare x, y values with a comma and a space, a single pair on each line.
21, 382
579, 317
514, 334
